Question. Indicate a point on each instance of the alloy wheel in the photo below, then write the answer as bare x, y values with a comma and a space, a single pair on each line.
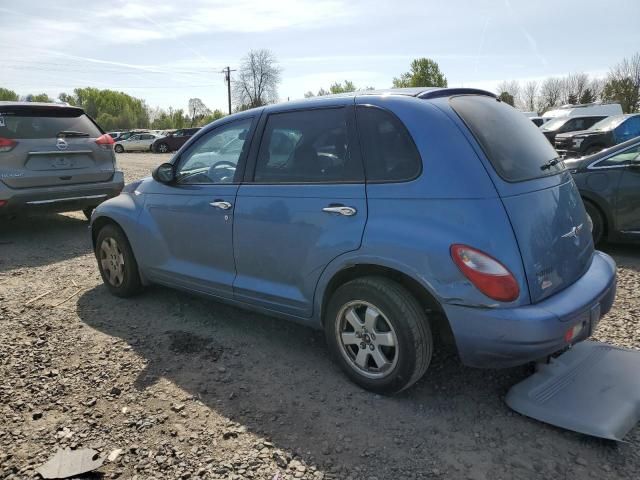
367, 339
112, 261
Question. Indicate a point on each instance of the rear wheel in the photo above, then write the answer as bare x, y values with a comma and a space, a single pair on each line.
163, 148
379, 334
117, 265
118, 148
597, 222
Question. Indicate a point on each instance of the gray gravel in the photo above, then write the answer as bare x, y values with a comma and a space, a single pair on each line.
173, 386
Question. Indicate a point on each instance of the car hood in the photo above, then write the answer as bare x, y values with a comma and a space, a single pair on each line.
580, 133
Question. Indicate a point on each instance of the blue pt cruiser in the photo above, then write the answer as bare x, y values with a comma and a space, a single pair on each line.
384, 218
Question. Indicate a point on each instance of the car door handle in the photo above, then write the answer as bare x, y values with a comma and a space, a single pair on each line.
221, 205
340, 209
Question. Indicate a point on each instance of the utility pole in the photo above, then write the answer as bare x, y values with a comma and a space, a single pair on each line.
227, 78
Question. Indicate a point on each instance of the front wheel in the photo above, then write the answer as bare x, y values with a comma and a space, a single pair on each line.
117, 265
119, 149
379, 334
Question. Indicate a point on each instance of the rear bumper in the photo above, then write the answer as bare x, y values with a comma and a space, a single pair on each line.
60, 199
498, 338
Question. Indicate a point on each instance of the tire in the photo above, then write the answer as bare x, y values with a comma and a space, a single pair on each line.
163, 148
118, 149
113, 251
387, 314
88, 211
597, 222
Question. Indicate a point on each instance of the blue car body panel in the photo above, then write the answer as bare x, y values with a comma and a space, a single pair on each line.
276, 251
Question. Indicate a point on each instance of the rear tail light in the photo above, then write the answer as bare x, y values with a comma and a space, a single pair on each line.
486, 273
3, 203
105, 141
6, 144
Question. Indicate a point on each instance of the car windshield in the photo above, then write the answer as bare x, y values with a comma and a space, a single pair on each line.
515, 147
608, 123
553, 124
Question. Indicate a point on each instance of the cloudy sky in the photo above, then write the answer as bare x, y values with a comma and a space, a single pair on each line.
169, 51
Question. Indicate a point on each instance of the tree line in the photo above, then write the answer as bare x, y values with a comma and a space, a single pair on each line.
621, 85
259, 75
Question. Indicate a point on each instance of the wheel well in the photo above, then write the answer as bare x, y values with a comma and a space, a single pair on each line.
605, 219
436, 314
98, 224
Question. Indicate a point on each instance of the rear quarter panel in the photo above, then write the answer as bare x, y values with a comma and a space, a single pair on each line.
411, 225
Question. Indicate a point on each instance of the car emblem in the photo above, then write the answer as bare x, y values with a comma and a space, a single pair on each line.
574, 232
61, 144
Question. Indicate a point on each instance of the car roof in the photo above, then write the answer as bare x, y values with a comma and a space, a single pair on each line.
8, 103
417, 92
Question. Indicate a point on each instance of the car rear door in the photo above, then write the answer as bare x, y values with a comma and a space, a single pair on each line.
627, 202
303, 204
52, 146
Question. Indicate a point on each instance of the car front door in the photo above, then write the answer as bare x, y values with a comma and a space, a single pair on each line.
191, 220
303, 204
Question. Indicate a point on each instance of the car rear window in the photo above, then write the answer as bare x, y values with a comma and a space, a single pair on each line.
516, 148
31, 123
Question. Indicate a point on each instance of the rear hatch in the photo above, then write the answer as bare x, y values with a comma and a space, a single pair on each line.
538, 193
53, 146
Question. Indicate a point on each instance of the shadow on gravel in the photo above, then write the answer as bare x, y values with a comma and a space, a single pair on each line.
276, 378
626, 255
37, 240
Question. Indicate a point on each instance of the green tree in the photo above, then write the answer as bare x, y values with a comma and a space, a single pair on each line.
212, 117
338, 87
115, 109
622, 91
39, 97
6, 94
587, 96
507, 98
424, 73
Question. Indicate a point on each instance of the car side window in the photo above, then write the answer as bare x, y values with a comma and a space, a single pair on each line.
134, 137
307, 146
390, 155
214, 157
178, 133
626, 157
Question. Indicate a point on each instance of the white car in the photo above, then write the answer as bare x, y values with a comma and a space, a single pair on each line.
138, 142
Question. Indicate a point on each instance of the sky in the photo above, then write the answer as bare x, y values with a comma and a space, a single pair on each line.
166, 52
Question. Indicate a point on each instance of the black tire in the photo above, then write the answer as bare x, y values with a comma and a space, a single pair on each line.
404, 316
163, 148
118, 149
129, 283
88, 211
597, 222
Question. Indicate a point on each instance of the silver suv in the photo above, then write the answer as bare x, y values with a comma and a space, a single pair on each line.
54, 157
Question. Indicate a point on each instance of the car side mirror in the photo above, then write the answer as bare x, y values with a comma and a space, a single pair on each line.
164, 173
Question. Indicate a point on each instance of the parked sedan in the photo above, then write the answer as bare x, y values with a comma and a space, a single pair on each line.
380, 217
136, 143
173, 141
609, 183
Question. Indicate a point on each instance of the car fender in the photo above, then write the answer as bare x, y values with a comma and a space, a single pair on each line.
357, 258
124, 211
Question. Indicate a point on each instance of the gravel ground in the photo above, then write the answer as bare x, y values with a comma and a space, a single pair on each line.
176, 386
